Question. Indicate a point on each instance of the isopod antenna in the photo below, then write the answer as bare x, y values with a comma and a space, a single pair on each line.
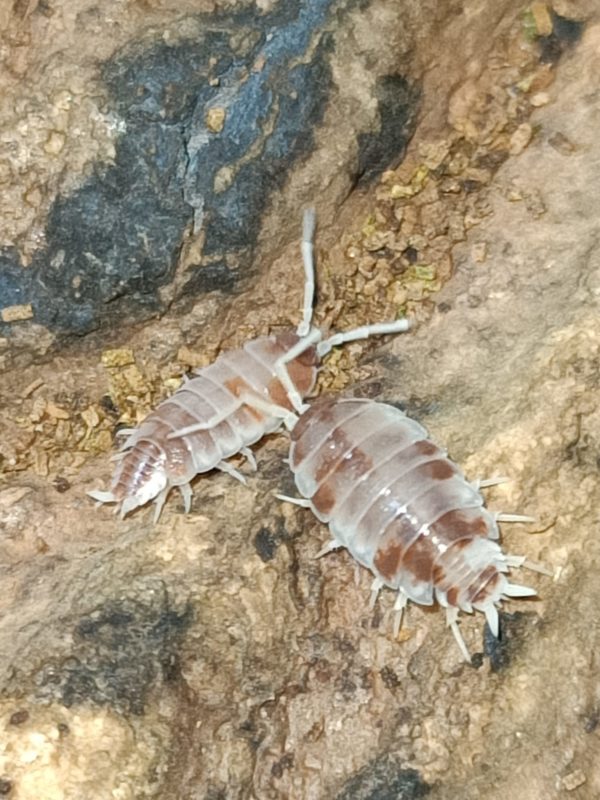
309, 222
377, 329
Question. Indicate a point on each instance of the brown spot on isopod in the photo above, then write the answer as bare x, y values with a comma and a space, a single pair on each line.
452, 596
388, 560
457, 524
483, 586
418, 559
324, 499
462, 543
237, 386
438, 575
320, 411
303, 446
439, 470
278, 395
280, 344
426, 448
302, 376
302, 371
334, 447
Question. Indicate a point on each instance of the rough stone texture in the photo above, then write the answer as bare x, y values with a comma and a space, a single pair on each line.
211, 656
520, 397
385, 780
206, 121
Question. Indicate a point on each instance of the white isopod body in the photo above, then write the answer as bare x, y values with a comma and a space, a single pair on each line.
402, 508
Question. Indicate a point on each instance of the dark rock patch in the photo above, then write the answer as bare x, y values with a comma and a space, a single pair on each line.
385, 779
122, 650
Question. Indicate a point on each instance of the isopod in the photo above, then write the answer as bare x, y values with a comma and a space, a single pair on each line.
403, 509
230, 404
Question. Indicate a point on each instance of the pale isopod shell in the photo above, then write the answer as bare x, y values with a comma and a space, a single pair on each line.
159, 454
401, 507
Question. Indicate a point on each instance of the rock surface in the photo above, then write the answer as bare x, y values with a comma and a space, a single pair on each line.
211, 656
207, 120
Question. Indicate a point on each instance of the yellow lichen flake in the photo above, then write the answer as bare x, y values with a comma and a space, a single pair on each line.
120, 357
423, 272
135, 380
215, 119
403, 253
16, 313
56, 412
91, 417
542, 18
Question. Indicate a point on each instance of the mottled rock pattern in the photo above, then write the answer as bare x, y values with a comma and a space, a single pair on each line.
183, 190
121, 652
385, 779
262, 672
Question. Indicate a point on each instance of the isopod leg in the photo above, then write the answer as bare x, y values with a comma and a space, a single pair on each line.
491, 615
364, 332
125, 431
103, 497
328, 548
451, 615
500, 517
249, 455
399, 607
522, 561
224, 466
159, 502
280, 368
297, 501
485, 483
187, 494
375, 588
516, 590
308, 234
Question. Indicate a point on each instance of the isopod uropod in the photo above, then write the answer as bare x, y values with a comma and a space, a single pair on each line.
403, 509
229, 405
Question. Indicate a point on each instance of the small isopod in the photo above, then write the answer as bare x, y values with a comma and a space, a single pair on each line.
403, 509
230, 404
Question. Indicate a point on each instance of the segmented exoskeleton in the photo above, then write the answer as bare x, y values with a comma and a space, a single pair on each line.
403, 509
229, 405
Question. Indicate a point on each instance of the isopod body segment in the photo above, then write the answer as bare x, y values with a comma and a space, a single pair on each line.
402, 508
228, 406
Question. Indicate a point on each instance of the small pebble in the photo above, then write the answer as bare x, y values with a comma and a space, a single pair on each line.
542, 18
573, 780
118, 358
16, 313
479, 252
215, 119
520, 139
539, 99
30, 388
559, 142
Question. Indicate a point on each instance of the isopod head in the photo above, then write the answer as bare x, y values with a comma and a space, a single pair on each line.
136, 482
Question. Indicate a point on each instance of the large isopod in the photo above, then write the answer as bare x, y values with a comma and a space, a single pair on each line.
230, 404
403, 509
